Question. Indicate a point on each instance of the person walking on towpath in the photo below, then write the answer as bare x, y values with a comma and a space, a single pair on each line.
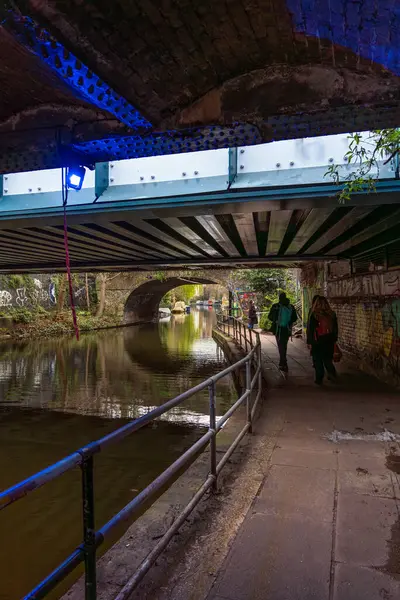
252, 315
315, 298
283, 316
322, 335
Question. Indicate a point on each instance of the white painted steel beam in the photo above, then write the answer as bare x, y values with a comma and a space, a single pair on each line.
285, 164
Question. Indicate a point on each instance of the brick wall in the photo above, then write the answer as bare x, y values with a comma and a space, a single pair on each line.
368, 311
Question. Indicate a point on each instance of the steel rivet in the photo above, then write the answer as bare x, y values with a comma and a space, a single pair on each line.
242, 166
196, 172
5, 178
111, 166
142, 179
291, 163
183, 174
5, 191
111, 179
331, 160
152, 177
278, 165
39, 189
242, 151
30, 189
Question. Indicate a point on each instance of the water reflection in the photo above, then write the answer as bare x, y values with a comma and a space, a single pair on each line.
56, 395
112, 373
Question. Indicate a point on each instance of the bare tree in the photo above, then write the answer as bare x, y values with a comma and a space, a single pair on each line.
87, 291
105, 278
61, 292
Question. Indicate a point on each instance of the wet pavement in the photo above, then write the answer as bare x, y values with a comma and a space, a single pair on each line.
325, 523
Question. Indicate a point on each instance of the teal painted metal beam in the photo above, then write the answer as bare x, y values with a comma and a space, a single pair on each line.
101, 179
23, 206
232, 166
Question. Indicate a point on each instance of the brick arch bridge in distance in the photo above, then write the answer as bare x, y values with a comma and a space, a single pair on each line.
140, 294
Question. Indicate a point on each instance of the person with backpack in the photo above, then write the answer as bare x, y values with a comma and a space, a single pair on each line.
322, 335
315, 298
283, 316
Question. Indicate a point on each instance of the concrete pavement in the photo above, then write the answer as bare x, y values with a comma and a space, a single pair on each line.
325, 523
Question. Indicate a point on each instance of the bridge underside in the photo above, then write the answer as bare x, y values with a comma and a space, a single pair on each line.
237, 234
245, 207
84, 83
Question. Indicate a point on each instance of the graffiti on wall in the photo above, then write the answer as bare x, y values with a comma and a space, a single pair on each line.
391, 283
5, 299
21, 297
34, 295
39, 294
377, 334
371, 284
52, 293
40, 290
339, 269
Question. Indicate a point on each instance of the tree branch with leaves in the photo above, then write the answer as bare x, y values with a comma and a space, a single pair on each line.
366, 151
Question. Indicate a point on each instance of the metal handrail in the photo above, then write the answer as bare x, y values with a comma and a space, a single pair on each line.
86, 552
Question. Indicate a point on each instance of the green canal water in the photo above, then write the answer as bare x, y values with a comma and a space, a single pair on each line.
57, 395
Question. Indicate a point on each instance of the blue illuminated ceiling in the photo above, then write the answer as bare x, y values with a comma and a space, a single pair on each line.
171, 142
78, 77
179, 64
369, 28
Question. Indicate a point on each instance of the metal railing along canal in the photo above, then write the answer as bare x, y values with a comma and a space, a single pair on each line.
84, 458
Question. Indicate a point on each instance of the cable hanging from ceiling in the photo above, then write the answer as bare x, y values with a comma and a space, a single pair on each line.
64, 192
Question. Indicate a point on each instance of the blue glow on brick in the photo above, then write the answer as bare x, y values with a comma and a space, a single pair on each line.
369, 28
73, 72
170, 142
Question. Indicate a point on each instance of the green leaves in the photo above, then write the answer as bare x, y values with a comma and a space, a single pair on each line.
366, 151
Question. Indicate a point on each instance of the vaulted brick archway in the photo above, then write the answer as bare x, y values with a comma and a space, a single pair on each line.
143, 302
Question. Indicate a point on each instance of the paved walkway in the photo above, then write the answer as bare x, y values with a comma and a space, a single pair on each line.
325, 524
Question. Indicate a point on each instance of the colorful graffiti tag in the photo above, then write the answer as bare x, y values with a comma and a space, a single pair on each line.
373, 284
377, 334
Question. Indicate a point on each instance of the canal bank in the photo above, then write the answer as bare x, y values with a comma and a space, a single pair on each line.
23, 324
59, 394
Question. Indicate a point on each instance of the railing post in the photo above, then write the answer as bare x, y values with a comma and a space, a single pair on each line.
259, 364
213, 442
89, 539
248, 388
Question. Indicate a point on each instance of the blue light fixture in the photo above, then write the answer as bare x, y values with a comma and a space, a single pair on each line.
75, 177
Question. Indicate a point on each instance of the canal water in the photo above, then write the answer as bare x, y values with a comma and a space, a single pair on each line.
58, 394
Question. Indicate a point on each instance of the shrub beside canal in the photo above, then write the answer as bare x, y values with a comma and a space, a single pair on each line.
38, 322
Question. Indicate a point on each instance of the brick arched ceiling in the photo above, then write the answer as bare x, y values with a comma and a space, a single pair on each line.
284, 68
